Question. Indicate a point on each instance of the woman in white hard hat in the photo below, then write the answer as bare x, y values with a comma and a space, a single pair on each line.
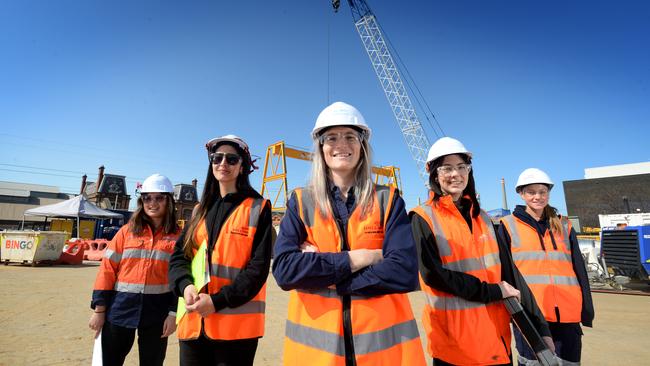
345, 250
132, 289
231, 226
546, 251
464, 271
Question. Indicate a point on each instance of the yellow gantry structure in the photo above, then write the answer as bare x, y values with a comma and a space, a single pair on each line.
275, 173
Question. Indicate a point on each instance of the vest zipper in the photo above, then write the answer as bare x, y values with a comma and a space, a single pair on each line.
348, 339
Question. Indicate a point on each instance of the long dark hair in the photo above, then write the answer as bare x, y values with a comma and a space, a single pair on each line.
140, 218
470, 190
211, 193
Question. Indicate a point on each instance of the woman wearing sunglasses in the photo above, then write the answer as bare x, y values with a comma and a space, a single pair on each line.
546, 251
225, 318
465, 272
345, 250
131, 290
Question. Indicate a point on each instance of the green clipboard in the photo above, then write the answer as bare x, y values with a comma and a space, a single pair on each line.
199, 268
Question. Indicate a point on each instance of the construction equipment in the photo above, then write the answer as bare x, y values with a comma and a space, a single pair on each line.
391, 82
275, 169
534, 340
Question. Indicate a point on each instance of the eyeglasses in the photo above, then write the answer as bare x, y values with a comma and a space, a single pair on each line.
217, 157
157, 198
349, 138
460, 168
533, 193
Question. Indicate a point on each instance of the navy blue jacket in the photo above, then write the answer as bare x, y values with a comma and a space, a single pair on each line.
397, 273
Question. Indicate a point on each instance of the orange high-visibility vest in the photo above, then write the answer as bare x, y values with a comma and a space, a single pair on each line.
459, 331
383, 327
229, 256
137, 263
548, 271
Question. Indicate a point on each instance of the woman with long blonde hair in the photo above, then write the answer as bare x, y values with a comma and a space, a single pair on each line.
346, 252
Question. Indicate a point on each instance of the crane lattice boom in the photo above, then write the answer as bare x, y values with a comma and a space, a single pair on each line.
391, 81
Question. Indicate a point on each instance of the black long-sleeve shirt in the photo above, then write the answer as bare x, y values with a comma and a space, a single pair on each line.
587, 311
251, 279
465, 285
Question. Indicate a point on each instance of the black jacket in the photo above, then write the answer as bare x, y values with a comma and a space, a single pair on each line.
587, 313
251, 279
465, 285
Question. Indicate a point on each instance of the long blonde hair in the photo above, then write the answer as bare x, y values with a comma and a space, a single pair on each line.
320, 177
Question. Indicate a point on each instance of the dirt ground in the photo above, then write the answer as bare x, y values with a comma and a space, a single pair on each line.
44, 313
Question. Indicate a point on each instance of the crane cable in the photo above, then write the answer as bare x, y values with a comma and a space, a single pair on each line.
418, 95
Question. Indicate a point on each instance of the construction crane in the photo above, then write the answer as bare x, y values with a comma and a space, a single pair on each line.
275, 169
391, 81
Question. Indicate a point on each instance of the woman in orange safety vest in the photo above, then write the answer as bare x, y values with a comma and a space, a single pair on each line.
464, 271
546, 251
346, 252
224, 318
131, 290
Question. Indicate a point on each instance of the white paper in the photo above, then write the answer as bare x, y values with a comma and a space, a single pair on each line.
97, 351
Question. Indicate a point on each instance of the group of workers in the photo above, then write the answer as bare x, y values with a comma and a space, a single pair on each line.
349, 253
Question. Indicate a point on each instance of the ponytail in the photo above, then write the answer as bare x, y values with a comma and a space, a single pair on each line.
550, 213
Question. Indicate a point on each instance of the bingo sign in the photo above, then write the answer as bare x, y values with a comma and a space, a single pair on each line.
30, 247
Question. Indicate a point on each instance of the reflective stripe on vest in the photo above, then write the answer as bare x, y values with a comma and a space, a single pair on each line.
383, 328
467, 264
139, 288
146, 254
363, 343
225, 272
551, 279
451, 302
112, 255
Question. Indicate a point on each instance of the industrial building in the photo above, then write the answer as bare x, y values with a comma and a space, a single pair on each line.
16, 198
616, 189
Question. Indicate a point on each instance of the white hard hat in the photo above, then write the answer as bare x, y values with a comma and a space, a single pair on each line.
340, 114
229, 138
445, 146
157, 183
533, 176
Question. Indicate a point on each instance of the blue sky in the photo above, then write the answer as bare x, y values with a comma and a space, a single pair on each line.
140, 86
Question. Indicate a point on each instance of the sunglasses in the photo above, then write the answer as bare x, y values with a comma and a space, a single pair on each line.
218, 157
157, 198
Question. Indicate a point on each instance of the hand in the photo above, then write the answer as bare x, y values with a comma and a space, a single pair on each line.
97, 321
308, 248
362, 258
169, 326
508, 291
203, 306
190, 295
549, 343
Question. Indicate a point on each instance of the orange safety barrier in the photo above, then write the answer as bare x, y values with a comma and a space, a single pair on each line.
96, 249
73, 253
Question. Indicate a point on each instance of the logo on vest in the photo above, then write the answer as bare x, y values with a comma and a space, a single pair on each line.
373, 229
243, 231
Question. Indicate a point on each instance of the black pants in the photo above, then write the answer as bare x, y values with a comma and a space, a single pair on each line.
207, 352
117, 342
567, 338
